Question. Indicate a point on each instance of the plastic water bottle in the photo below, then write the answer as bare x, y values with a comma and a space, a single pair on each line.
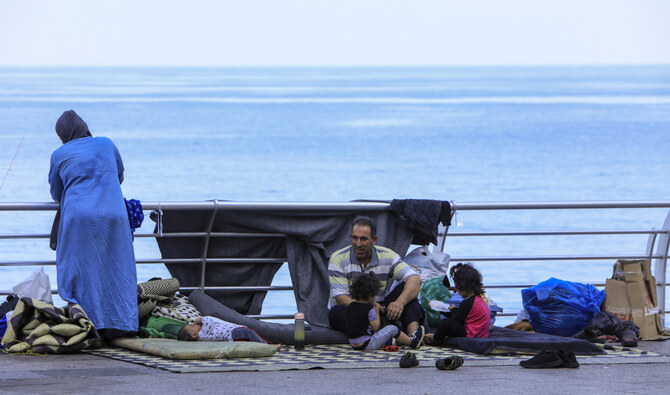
299, 332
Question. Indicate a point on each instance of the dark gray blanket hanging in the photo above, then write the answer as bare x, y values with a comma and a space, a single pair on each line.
311, 237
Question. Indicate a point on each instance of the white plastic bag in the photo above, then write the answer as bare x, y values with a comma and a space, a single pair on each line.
35, 286
428, 264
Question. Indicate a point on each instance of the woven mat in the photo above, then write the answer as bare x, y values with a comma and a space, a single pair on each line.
343, 357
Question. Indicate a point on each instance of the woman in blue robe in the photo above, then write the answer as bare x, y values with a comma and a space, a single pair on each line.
94, 256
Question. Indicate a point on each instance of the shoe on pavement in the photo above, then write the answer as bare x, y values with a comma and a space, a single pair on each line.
569, 360
544, 359
449, 363
408, 360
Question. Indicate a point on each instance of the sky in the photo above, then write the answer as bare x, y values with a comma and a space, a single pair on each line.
333, 32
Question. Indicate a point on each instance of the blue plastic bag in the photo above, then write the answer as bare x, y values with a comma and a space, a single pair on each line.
3, 326
562, 308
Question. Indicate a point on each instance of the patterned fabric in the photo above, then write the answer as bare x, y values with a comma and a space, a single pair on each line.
178, 308
135, 213
341, 356
214, 329
40, 327
153, 292
344, 267
159, 289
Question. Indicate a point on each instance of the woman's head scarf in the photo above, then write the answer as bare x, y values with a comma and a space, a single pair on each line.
70, 126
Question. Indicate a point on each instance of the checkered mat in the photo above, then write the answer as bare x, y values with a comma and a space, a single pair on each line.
343, 357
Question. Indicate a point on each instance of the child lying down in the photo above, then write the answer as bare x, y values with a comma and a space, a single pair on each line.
204, 329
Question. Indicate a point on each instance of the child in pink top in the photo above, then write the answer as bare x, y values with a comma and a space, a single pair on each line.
472, 317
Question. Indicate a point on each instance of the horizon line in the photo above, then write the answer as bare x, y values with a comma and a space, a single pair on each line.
502, 65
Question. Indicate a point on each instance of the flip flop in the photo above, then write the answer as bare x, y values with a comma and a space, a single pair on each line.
449, 363
390, 348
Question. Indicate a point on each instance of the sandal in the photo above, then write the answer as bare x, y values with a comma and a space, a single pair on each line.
449, 363
390, 348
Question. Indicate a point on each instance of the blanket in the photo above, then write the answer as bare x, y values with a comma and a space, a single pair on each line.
153, 292
40, 327
311, 236
509, 340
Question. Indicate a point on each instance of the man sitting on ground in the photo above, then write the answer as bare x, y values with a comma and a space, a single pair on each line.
365, 257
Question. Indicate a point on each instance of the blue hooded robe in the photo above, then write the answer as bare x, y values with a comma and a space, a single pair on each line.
94, 258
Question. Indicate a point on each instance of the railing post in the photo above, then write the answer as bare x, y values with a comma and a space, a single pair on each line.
204, 250
660, 264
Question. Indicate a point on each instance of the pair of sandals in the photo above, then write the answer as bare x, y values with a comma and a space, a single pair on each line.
408, 360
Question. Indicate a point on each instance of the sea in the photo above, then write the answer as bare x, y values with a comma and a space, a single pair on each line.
320, 134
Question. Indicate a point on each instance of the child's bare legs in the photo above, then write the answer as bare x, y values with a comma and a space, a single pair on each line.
404, 339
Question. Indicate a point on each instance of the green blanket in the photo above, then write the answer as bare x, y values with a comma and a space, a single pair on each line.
160, 327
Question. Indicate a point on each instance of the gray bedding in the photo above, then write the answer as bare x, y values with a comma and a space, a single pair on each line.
274, 332
519, 341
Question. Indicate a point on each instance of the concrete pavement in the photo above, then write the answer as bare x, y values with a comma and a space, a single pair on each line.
88, 374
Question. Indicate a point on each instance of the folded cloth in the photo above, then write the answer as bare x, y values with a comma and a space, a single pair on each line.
153, 292
178, 308
40, 327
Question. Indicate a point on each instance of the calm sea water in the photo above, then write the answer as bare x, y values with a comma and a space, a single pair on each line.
338, 134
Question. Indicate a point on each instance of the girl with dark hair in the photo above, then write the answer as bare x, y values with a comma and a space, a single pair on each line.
472, 317
362, 318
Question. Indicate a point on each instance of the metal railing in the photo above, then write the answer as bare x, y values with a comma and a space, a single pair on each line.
656, 251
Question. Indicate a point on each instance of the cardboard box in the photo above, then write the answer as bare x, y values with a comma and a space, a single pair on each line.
631, 296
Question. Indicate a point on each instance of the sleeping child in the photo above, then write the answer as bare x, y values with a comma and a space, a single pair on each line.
204, 329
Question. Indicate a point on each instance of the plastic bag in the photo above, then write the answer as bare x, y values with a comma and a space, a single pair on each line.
433, 290
428, 264
3, 326
35, 286
606, 323
562, 308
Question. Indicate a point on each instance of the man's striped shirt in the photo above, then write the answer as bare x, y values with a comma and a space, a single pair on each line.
344, 267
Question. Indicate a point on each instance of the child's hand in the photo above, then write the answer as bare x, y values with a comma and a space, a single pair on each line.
452, 306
